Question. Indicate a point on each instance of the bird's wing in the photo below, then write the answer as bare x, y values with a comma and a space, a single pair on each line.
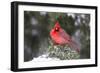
65, 35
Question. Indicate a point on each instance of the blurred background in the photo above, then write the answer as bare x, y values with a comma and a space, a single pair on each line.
38, 44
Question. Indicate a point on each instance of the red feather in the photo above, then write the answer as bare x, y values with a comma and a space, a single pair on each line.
60, 37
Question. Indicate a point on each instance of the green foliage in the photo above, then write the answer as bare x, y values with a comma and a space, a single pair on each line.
67, 23
62, 52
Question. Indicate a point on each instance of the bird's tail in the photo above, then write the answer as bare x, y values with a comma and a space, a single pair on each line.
75, 46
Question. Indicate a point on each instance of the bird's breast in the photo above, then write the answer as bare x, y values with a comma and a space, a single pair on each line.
56, 37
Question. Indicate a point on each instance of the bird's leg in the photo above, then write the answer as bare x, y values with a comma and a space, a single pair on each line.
54, 43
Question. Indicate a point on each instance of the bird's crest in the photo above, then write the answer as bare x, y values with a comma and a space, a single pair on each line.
57, 25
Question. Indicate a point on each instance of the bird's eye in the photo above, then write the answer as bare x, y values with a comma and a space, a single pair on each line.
57, 29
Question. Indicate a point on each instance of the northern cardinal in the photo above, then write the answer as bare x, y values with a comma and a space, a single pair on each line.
60, 37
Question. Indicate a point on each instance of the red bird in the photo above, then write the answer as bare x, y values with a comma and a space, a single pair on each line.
60, 37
